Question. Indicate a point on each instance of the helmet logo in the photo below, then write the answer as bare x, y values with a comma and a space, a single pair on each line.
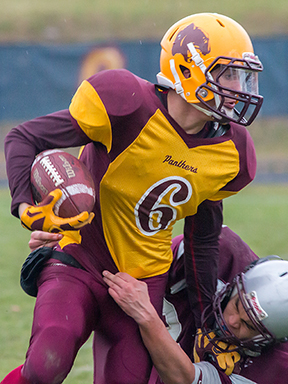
191, 34
254, 302
249, 56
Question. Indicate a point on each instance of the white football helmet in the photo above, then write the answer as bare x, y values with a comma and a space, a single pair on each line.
263, 291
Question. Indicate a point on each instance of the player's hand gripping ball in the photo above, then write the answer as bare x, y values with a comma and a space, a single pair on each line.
220, 354
42, 217
64, 193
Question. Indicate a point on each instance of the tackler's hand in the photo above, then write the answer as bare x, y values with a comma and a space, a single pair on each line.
39, 239
42, 217
222, 355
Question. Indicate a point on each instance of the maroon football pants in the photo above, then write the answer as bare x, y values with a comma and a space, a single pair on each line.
70, 305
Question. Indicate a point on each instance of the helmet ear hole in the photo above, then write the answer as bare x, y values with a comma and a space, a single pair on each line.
185, 71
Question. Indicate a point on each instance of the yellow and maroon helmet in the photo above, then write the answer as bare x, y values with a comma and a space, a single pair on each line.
199, 44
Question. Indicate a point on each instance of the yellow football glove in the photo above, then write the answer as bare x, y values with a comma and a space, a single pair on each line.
224, 360
42, 217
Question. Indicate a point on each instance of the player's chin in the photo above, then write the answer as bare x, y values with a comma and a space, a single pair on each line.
223, 120
227, 114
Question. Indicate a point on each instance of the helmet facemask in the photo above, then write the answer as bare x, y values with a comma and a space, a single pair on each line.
235, 82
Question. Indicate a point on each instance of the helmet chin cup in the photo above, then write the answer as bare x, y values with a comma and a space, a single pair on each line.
209, 113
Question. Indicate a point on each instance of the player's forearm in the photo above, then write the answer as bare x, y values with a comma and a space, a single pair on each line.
172, 364
26, 140
170, 361
22, 208
201, 255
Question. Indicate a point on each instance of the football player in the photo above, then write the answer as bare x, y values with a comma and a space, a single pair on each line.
248, 341
157, 154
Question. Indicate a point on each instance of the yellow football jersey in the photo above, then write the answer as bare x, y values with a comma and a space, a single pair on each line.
156, 173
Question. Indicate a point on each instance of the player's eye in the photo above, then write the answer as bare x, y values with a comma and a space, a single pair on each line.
250, 327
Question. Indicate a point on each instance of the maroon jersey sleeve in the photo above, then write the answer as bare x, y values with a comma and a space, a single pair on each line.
234, 255
201, 234
202, 230
30, 138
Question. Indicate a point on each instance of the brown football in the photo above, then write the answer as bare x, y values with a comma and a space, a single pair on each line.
54, 169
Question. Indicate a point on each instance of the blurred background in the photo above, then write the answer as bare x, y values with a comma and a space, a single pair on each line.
48, 47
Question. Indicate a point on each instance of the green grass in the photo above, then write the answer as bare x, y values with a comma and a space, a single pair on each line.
258, 214
74, 20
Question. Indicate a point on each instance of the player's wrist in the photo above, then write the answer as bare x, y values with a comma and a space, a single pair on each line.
22, 208
147, 318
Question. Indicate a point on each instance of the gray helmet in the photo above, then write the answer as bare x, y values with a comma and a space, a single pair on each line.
263, 291
266, 296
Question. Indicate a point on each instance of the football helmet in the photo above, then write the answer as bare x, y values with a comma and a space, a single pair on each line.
207, 57
262, 290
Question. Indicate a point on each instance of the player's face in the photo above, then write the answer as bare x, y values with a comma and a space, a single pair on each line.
237, 320
230, 78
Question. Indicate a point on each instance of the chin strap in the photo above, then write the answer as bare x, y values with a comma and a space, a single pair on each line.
203, 110
197, 58
200, 63
178, 86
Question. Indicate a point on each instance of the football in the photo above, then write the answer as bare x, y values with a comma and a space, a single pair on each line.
54, 169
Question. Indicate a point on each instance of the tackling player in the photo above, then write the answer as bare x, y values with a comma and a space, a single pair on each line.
248, 342
157, 154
